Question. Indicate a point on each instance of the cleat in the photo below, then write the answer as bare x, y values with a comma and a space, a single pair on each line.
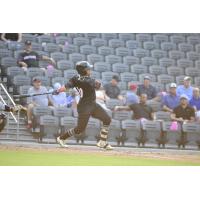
104, 145
62, 143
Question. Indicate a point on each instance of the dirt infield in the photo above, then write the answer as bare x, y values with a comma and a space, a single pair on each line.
161, 154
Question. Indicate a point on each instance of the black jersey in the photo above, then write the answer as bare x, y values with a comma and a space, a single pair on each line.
87, 86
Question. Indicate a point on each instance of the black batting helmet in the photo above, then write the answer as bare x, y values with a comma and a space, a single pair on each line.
82, 66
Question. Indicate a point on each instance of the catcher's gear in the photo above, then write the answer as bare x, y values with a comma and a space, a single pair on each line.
3, 121
82, 66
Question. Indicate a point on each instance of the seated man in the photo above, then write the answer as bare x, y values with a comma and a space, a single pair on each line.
147, 88
131, 97
170, 100
195, 102
112, 90
186, 88
30, 58
40, 100
58, 99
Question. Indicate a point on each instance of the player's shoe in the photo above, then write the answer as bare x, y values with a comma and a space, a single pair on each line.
104, 145
62, 143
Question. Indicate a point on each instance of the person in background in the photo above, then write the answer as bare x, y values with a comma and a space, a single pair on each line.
7, 37
101, 96
186, 88
195, 102
171, 99
58, 100
131, 97
147, 88
40, 100
112, 90
29, 58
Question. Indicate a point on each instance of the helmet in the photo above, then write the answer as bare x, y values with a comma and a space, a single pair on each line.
82, 66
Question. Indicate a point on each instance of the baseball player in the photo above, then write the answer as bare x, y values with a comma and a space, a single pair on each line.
87, 106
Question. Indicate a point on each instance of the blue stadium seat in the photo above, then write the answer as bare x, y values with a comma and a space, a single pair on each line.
158, 54
128, 77
104, 51
30, 37
58, 56
34, 71
151, 45
87, 49
92, 35
177, 39
69, 73
194, 40
120, 67
102, 66
79, 41
133, 44
96, 75
111, 59
8, 61
148, 61
93, 58
174, 54
130, 60
175, 71
98, 42
184, 63
122, 51
65, 64
70, 48
126, 36
138, 69
168, 46
192, 55
45, 39
152, 77
185, 47
164, 78
166, 62
44, 80
160, 38
140, 53
156, 70
51, 47
63, 40
107, 76
143, 37
109, 36
76, 57
193, 72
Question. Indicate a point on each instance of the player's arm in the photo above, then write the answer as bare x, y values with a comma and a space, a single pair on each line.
48, 59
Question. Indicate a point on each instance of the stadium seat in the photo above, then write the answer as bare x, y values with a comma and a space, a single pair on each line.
102, 66
87, 49
194, 40
159, 86
70, 48
42, 110
111, 103
126, 36
114, 130
42, 53
105, 51
197, 48
166, 62
3, 45
132, 130
55, 73
63, 40
197, 64
128, 77
44, 80
69, 73
111, 59
98, 42
109, 36
96, 75
133, 44
67, 123
162, 115
175, 71
92, 130
191, 71
5, 53
177, 39
122, 85
158, 54
45, 39
58, 56
36, 46
20, 80
160, 38
107, 76
138, 69
130, 60
174, 54
123, 51
13, 71
122, 115
140, 53
184, 63
34, 71
79, 41
12, 45
62, 111
65, 64
143, 37
115, 43
148, 61
192, 55
73, 35
49, 127
168, 46
155, 105
152, 77
151, 45
197, 81
93, 58
179, 79
156, 70
30, 37
185, 47
24, 89
51, 47
92, 35
120, 67
76, 57
8, 61
164, 78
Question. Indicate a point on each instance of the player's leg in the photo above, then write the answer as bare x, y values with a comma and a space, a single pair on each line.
102, 115
81, 125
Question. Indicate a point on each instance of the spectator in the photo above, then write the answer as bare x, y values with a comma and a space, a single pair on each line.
7, 37
141, 110
30, 58
186, 88
59, 99
170, 100
183, 112
101, 96
112, 90
131, 97
41, 100
147, 88
195, 102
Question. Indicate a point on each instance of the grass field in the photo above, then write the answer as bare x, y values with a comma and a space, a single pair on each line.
29, 157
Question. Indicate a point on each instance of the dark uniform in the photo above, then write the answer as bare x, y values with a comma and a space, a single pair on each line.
87, 107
